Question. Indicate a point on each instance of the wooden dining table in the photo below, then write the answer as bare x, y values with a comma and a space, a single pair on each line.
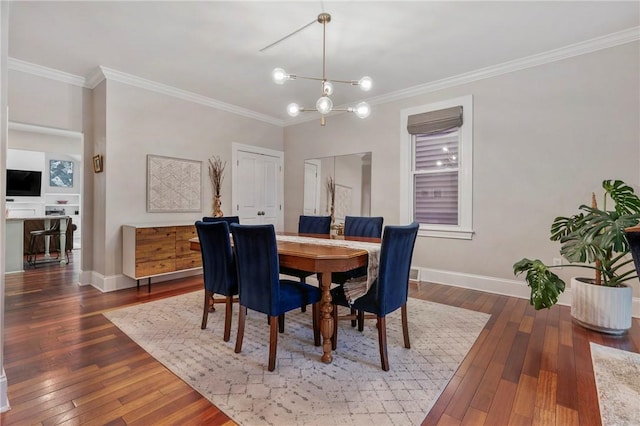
321, 259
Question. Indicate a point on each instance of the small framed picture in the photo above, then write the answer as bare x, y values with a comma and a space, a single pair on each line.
97, 163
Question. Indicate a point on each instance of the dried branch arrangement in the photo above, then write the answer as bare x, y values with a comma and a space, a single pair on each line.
216, 173
331, 192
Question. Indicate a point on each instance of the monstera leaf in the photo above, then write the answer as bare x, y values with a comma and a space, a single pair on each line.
562, 226
545, 285
627, 202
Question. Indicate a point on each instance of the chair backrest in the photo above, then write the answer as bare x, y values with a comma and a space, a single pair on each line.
228, 219
394, 266
258, 268
314, 225
360, 226
633, 236
218, 263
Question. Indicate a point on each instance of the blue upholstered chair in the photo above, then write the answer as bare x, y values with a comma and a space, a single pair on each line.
314, 225
633, 236
219, 269
361, 226
309, 225
260, 287
389, 291
228, 219
358, 226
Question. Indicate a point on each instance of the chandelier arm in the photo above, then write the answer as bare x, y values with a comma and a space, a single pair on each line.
350, 109
308, 78
287, 36
352, 82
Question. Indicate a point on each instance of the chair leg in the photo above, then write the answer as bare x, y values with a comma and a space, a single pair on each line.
303, 308
382, 341
315, 313
31, 257
281, 323
212, 306
405, 326
273, 341
240, 336
227, 317
205, 310
334, 337
353, 322
360, 320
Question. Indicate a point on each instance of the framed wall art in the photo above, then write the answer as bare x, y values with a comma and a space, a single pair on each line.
343, 201
61, 173
173, 184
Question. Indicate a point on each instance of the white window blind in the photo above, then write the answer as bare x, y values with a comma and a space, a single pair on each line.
435, 178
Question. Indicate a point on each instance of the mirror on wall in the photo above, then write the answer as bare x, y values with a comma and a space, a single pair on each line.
352, 177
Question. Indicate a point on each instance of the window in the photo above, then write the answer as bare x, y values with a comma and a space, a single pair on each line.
437, 166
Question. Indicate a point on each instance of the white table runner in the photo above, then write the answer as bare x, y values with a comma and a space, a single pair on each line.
355, 287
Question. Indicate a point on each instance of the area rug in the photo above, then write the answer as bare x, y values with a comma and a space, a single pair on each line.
353, 390
618, 381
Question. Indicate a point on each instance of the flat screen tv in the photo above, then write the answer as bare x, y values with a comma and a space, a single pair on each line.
23, 183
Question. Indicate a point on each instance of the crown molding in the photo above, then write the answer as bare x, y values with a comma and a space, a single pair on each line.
50, 73
102, 73
94, 78
577, 49
132, 80
50, 131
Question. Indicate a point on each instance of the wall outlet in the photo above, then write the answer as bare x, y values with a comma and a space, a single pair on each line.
557, 261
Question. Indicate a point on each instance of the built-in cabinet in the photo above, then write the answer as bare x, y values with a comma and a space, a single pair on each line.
153, 250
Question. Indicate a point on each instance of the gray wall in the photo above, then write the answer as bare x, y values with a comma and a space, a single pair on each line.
544, 139
124, 124
141, 122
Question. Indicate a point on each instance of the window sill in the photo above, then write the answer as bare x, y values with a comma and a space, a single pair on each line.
458, 234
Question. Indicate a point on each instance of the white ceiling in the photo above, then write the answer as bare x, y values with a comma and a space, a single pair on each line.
212, 48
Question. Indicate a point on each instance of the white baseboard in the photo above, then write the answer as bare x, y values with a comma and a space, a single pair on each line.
4, 393
513, 288
118, 282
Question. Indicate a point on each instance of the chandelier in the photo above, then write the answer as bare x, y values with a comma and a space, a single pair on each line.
324, 104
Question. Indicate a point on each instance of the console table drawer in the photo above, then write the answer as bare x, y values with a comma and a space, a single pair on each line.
153, 250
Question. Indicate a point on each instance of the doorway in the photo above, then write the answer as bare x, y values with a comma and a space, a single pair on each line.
257, 185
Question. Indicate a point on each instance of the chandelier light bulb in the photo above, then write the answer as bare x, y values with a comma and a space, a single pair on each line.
293, 109
365, 83
363, 110
279, 76
327, 88
324, 105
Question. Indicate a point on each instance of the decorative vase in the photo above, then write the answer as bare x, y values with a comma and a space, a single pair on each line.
217, 202
601, 308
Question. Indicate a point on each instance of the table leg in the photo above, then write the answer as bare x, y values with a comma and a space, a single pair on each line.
326, 324
47, 225
63, 241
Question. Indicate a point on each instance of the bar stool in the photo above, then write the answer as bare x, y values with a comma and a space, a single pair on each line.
53, 231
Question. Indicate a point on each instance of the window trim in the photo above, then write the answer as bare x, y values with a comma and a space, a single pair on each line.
465, 171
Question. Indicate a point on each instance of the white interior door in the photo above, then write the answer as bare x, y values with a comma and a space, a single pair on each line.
257, 185
311, 187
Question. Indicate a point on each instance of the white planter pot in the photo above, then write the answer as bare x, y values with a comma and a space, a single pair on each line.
601, 308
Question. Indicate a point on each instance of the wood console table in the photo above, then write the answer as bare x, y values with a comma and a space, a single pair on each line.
151, 250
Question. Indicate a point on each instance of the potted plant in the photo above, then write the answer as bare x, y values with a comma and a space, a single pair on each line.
595, 239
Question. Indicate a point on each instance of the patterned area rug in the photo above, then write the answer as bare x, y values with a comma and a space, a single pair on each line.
618, 381
353, 390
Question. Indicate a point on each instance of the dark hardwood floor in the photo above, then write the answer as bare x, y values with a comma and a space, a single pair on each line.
67, 364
